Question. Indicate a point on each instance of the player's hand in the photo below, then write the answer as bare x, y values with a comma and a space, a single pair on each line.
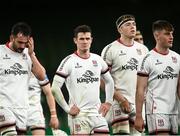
139, 124
125, 106
54, 122
74, 110
104, 108
30, 46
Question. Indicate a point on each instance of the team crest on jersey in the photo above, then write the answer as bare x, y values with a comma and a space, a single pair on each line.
6, 57
77, 127
160, 122
117, 112
139, 52
174, 59
95, 64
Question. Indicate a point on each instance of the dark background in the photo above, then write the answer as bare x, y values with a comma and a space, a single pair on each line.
53, 22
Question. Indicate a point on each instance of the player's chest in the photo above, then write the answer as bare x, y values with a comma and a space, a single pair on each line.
125, 57
165, 66
86, 68
14, 65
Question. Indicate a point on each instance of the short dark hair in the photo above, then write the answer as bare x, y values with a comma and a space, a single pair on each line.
124, 18
21, 27
82, 28
162, 25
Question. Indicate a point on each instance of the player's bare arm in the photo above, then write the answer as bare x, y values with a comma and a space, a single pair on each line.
141, 87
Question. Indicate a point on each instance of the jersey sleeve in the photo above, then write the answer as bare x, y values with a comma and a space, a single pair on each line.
105, 67
64, 68
106, 54
144, 66
44, 82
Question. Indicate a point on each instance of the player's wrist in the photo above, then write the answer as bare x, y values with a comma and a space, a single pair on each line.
122, 101
52, 110
32, 54
53, 116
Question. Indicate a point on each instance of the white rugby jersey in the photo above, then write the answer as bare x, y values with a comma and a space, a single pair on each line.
15, 70
35, 89
162, 71
123, 61
34, 92
82, 79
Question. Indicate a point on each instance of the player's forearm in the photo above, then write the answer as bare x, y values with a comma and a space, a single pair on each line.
37, 68
59, 96
139, 100
118, 96
51, 103
140, 92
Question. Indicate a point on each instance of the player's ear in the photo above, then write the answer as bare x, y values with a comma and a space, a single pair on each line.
11, 38
156, 35
75, 40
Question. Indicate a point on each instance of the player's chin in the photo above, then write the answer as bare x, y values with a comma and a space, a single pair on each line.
20, 50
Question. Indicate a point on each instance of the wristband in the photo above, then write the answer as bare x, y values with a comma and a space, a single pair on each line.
54, 116
51, 110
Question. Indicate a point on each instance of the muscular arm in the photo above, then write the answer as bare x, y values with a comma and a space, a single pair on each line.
52, 105
119, 97
37, 69
141, 87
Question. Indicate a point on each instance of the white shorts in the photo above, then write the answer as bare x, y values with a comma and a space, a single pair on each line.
13, 116
162, 123
88, 125
121, 122
35, 117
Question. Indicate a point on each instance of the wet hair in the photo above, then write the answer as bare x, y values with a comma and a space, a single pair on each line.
123, 19
82, 28
160, 25
21, 27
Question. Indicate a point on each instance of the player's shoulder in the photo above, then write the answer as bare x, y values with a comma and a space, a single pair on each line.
3, 50
111, 46
174, 52
67, 58
95, 56
140, 45
2, 46
148, 56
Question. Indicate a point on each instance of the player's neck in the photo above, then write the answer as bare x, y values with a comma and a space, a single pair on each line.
9, 45
162, 50
126, 41
83, 54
